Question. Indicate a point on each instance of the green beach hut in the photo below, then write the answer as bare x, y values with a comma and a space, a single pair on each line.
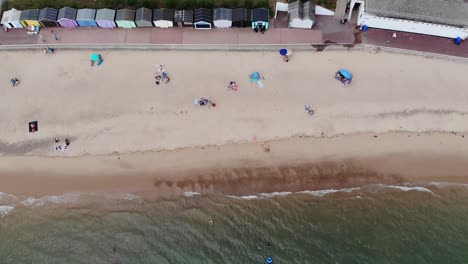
125, 18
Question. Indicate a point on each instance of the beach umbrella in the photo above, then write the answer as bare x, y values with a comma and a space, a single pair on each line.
346, 74
255, 77
285, 52
94, 57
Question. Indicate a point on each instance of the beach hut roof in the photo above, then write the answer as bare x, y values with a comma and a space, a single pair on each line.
48, 13
67, 13
86, 14
6, 16
163, 14
241, 14
260, 14
125, 15
301, 10
14, 15
222, 14
143, 14
203, 15
105, 14
183, 16
29, 14
309, 11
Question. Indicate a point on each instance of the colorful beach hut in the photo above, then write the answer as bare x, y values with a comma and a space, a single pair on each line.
202, 18
14, 18
163, 18
48, 17
105, 18
5, 19
222, 17
85, 17
241, 17
125, 18
144, 17
29, 17
260, 18
67, 17
183, 18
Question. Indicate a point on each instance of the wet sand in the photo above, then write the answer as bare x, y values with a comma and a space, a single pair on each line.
240, 169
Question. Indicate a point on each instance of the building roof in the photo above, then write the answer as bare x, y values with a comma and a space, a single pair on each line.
14, 15
86, 14
6, 16
67, 13
125, 14
413, 26
29, 14
241, 14
301, 10
260, 14
449, 12
48, 13
222, 14
105, 14
185, 16
163, 14
143, 14
202, 15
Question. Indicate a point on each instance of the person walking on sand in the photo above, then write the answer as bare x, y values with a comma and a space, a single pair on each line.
14, 82
309, 110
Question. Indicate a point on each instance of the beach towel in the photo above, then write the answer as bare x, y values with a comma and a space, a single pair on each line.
260, 84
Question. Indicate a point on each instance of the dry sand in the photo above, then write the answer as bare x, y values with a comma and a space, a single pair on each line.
131, 135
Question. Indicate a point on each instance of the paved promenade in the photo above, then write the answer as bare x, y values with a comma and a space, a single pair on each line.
118, 36
416, 42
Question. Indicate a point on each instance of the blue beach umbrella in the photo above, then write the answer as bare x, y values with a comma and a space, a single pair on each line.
346, 74
94, 57
255, 77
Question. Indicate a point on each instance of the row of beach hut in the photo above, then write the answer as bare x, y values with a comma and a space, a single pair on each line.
200, 18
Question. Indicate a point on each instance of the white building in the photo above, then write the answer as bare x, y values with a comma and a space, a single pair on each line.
448, 18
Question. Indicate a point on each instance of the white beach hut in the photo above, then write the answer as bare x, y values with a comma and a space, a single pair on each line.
222, 17
163, 18
12, 19
5, 18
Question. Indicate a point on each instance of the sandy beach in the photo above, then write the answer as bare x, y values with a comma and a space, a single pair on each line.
404, 118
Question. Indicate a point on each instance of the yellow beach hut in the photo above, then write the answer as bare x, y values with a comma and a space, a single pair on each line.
30, 17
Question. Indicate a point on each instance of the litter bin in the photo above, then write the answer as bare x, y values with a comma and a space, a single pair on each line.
364, 28
457, 41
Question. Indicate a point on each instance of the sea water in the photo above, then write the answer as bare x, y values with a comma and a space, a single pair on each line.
364, 224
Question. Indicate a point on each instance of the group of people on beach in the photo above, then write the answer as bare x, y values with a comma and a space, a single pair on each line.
161, 76
61, 147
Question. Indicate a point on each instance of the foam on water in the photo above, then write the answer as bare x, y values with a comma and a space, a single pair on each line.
190, 194
125, 196
5, 209
407, 189
274, 194
321, 193
448, 184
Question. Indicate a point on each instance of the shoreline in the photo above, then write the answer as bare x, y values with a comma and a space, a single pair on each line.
287, 165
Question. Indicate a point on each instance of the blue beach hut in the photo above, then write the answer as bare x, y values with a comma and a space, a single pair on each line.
85, 17
260, 18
